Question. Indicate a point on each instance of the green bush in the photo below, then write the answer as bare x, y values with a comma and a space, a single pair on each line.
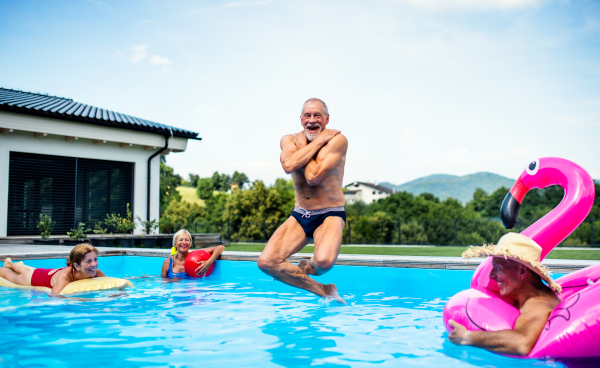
98, 229
45, 226
148, 226
79, 233
122, 225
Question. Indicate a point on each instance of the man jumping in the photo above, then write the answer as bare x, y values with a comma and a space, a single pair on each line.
315, 157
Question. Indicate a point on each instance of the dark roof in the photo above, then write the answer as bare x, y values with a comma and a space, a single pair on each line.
67, 109
377, 187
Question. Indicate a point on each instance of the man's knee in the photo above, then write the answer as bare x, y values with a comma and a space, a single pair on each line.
266, 265
322, 264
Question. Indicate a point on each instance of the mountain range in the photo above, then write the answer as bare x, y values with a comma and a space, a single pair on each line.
459, 187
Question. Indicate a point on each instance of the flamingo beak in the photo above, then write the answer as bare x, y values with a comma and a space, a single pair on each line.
509, 211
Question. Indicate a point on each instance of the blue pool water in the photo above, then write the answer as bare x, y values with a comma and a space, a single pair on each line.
241, 317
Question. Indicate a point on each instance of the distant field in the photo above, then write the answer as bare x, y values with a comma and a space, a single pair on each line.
188, 194
447, 251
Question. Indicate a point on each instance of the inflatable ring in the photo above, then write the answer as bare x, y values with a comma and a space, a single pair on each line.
93, 284
573, 328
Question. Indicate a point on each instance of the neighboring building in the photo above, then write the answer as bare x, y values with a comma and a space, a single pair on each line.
366, 192
76, 162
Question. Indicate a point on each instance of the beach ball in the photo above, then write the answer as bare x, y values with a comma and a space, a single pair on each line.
191, 262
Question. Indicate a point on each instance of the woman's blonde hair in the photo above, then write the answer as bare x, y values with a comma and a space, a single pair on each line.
78, 253
178, 234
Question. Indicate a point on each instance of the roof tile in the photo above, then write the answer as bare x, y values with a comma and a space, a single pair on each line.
67, 109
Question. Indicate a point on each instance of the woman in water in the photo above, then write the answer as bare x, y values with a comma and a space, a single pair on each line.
182, 242
82, 264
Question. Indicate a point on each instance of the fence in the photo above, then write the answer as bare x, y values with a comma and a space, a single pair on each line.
421, 232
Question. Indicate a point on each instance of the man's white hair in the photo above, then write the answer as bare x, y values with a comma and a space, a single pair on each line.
325, 109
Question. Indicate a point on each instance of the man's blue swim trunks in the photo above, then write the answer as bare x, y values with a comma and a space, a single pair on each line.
311, 220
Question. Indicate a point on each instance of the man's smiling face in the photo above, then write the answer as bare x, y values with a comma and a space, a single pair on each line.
506, 274
313, 119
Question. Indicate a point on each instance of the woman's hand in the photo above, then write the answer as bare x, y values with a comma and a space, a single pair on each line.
203, 267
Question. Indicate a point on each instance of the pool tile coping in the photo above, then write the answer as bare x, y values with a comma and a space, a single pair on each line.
24, 252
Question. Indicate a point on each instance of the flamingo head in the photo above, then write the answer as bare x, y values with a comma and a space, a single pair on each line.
539, 173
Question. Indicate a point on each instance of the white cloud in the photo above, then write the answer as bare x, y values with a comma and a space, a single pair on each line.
470, 4
139, 53
457, 154
159, 60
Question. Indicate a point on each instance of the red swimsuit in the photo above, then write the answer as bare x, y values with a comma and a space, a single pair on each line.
41, 277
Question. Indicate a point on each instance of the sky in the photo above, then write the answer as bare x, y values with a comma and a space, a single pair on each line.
419, 87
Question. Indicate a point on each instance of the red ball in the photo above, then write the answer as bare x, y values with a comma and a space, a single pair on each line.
191, 262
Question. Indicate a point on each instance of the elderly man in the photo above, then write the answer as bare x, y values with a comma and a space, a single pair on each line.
517, 269
315, 157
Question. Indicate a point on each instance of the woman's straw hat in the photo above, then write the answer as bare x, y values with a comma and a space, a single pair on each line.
518, 248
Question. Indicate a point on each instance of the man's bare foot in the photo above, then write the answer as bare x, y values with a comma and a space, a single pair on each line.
332, 293
8, 263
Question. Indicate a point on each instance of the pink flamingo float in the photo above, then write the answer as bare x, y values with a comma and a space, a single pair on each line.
573, 329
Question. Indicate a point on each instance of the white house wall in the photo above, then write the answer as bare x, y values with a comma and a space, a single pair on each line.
24, 141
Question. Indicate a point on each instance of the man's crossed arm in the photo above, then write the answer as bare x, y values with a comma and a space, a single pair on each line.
317, 158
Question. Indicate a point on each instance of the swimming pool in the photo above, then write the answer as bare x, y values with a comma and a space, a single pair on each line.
241, 317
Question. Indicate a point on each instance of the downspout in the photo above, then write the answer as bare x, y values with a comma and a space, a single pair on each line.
150, 172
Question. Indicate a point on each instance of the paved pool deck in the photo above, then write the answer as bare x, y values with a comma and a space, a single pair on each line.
28, 251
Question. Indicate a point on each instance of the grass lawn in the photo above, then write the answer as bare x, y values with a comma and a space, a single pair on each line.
447, 251
188, 194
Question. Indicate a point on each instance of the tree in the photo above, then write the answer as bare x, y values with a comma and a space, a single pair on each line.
215, 207
221, 182
204, 188
193, 182
168, 185
254, 214
240, 179
179, 214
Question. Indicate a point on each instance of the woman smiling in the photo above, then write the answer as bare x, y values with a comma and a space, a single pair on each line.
173, 267
82, 264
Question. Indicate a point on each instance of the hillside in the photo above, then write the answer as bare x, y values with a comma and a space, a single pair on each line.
188, 194
460, 187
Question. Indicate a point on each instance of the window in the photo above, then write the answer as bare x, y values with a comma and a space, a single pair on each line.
373, 192
68, 189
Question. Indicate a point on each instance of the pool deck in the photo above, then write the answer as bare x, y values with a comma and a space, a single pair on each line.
26, 251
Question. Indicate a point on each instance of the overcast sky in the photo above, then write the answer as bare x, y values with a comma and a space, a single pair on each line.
419, 87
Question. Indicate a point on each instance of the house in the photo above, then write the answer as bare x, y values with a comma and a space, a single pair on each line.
77, 163
366, 192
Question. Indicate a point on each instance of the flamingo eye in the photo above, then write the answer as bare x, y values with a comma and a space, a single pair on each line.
533, 167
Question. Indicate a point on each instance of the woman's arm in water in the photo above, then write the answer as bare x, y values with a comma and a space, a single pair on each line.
215, 253
165, 267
